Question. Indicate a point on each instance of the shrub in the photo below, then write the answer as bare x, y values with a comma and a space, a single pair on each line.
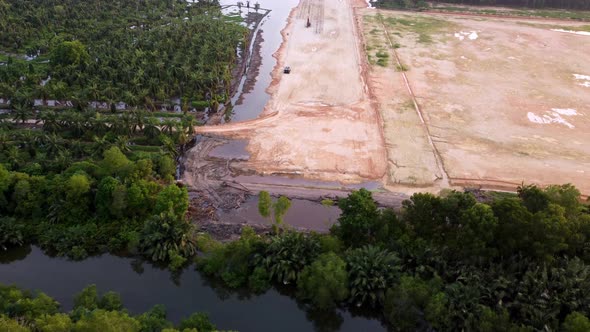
371, 271
287, 255
324, 282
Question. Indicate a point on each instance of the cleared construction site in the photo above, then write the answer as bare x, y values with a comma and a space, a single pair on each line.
423, 102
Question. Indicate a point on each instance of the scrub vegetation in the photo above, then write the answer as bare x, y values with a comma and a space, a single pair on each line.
449, 263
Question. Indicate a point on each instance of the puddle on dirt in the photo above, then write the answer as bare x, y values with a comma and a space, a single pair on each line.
373, 185
234, 149
302, 214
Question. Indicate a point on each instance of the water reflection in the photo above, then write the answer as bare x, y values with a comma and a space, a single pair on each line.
143, 285
15, 254
252, 103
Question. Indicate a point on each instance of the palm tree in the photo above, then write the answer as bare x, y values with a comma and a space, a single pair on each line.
13, 157
189, 123
21, 112
4, 140
138, 120
50, 121
169, 147
5, 124
51, 144
77, 123
77, 148
100, 146
62, 161
151, 129
372, 271
168, 126
97, 125
28, 142
122, 142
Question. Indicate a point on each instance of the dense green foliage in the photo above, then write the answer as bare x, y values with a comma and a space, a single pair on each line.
325, 281
138, 52
85, 181
92, 206
26, 311
448, 263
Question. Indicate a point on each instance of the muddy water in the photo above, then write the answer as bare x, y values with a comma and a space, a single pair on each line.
142, 285
235, 149
302, 214
253, 102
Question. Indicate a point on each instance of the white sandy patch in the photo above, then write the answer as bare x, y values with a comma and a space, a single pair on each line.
583, 33
584, 78
553, 116
472, 35
565, 111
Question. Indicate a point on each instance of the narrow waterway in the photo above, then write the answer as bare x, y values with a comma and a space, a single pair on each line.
252, 102
143, 285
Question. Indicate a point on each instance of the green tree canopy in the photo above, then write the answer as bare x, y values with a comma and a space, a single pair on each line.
70, 53
325, 281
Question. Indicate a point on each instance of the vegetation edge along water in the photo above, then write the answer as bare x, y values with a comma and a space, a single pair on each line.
444, 263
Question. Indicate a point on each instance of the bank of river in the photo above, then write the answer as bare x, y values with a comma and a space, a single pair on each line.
252, 102
143, 285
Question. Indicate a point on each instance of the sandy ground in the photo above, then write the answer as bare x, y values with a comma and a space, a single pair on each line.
411, 157
319, 123
504, 101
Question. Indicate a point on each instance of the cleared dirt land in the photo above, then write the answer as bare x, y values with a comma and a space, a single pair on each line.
319, 123
503, 100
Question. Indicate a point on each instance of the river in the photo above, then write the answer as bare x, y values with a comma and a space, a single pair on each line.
142, 285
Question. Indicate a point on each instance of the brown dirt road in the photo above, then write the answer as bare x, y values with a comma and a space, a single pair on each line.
320, 122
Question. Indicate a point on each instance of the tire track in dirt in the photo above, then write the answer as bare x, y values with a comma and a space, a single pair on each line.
445, 177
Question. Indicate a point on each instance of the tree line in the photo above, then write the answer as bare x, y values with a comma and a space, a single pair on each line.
448, 263
110, 204
24, 311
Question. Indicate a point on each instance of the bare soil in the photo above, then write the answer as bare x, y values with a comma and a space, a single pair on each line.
498, 103
319, 123
418, 102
